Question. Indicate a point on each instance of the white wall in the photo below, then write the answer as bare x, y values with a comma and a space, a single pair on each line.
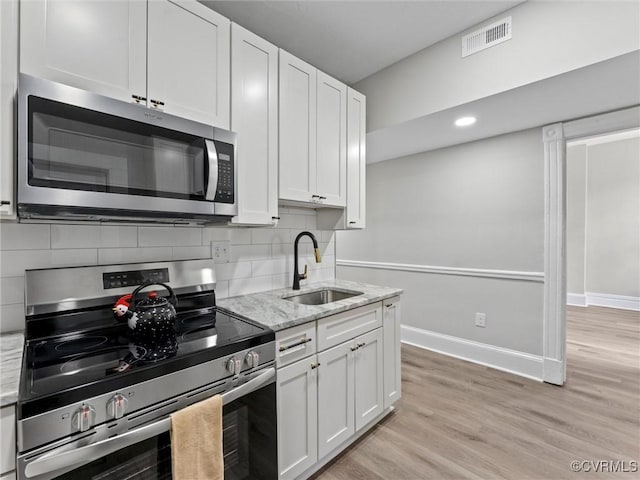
478, 208
605, 199
261, 258
544, 45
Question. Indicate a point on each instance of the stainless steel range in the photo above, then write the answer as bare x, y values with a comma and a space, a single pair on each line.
82, 415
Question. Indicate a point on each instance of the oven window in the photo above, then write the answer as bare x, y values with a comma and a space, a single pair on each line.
249, 447
79, 149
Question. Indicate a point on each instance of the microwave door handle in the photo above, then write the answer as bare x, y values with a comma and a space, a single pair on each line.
63, 457
211, 157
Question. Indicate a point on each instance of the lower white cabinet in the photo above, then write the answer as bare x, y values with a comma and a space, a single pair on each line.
368, 377
7, 438
325, 398
297, 399
391, 328
336, 393
349, 389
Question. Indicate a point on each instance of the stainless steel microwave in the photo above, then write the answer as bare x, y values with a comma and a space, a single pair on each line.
86, 156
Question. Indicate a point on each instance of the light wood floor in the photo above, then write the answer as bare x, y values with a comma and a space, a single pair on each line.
461, 420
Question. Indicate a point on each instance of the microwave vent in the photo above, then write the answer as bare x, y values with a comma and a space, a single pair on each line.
486, 37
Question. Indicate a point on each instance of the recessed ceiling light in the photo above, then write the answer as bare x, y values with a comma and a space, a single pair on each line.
465, 121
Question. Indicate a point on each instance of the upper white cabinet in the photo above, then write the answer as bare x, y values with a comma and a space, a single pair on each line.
254, 117
8, 89
331, 140
297, 129
356, 159
354, 214
170, 55
313, 110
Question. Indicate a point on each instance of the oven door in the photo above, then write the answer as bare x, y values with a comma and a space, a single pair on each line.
249, 444
83, 153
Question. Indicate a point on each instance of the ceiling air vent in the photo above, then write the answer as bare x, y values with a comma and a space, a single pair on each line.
486, 37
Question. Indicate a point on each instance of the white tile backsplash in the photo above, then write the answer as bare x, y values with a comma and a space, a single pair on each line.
191, 253
107, 256
169, 236
93, 236
21, 236
11, 317
11, 290
261, 258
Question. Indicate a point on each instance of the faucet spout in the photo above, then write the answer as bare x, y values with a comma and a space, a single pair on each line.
297, 276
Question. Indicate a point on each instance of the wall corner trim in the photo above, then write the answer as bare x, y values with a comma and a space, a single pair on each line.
511, 361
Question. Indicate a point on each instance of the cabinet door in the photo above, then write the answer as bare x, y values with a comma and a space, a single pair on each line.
297, 129
7, 439
368, 377
98, 45
392, 362
331, 170
254, 117
356, 159
8, 88
297, 418
335, 397
188, 61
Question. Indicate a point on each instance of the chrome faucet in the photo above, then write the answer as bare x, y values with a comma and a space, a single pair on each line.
296, 276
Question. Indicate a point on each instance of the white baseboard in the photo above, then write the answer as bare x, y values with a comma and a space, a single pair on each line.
613, 301
603, 300
554, 371
577, 299
512, 361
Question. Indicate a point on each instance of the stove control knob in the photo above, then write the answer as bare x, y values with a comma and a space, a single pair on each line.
234, 365
252, 359
117, 405
84, 418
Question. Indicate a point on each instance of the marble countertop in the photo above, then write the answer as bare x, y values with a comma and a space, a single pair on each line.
11, 345
269, 308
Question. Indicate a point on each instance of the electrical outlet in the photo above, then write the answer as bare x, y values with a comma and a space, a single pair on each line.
481, 319
220, 252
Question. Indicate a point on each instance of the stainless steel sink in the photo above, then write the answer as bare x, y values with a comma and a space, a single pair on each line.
320, 297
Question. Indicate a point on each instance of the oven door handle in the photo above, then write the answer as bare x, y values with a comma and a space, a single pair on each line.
62, 458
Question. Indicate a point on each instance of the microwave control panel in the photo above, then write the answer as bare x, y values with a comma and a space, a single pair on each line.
225, 193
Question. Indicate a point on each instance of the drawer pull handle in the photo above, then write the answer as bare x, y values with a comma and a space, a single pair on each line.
5, 202
275, 218
352, 222
297, 344
353, 349
361, 344
389, 305
157, 103
315, 365
139, 98
322, 198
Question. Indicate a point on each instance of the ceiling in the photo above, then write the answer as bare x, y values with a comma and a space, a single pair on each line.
353, 39
575, 94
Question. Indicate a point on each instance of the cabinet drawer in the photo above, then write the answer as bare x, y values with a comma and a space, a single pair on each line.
344, 326
295, 343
